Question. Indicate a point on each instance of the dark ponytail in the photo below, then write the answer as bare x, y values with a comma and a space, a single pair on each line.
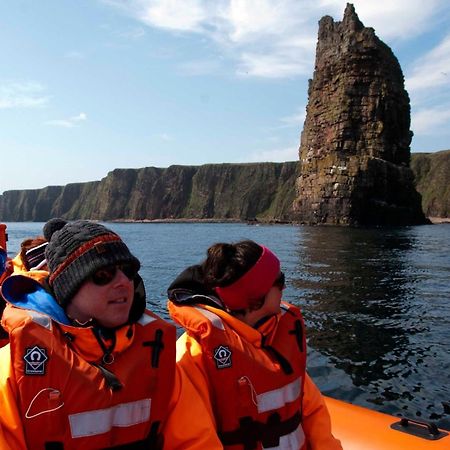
225, 263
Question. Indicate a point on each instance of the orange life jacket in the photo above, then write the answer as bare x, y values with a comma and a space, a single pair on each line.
3, 239
256, 388
16, 267
70, 399
4, 339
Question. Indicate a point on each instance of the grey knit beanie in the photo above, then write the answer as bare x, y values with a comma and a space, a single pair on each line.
76, 250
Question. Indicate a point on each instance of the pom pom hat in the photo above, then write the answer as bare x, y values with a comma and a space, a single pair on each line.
76, 250
254, 284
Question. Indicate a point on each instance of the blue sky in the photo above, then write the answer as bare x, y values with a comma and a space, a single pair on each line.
88, 86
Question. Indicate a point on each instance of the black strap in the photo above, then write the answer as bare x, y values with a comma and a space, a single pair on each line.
111, 380
251, 432
298, 332
154, 441
107, 350
54, 446
284, 363
157, 346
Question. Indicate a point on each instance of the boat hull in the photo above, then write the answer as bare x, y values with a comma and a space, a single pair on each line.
360, 428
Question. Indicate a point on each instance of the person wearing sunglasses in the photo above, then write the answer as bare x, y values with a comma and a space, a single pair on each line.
245, 351
88, 366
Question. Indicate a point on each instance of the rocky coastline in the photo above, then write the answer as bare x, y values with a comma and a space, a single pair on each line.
265, 194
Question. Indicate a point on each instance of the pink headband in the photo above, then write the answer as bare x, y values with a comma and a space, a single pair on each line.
254, 284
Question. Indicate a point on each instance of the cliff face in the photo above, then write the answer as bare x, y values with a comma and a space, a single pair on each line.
33, 204
244, 191
354, 148
432, 174
213, 191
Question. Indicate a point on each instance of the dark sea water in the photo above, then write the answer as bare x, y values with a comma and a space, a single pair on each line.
376, 301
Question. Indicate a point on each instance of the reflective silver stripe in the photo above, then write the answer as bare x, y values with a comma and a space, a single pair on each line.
91, 423
41, 319
291, 441
279, 397
215, 319
145, 319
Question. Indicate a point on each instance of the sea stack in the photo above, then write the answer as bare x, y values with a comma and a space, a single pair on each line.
355, 144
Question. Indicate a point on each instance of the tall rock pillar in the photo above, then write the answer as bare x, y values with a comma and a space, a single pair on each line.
354, 148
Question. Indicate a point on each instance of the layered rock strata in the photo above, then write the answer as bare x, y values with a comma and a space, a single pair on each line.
263, 191
354, 148
432, 175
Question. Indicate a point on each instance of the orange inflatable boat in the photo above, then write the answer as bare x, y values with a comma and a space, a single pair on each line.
360, 428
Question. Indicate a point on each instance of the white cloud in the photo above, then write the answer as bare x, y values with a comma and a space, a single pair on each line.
246, 20
22, 95
277, 41
71, 122
295, 120
392, 19
250, 20
185, 15
429, 88
430, 121
272, 65
274, 155
276, 38
175, 15
432, 70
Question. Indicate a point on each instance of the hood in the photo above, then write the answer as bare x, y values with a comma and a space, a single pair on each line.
26, 293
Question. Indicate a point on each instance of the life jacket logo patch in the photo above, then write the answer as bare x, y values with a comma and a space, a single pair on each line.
222, 355
35, 359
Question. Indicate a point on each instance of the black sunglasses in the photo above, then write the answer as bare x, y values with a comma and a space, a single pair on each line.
280, 281
105, 275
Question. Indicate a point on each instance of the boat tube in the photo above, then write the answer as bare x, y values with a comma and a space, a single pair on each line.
361, 428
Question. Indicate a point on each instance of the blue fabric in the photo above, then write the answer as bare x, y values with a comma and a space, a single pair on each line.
3, 258
27, 293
